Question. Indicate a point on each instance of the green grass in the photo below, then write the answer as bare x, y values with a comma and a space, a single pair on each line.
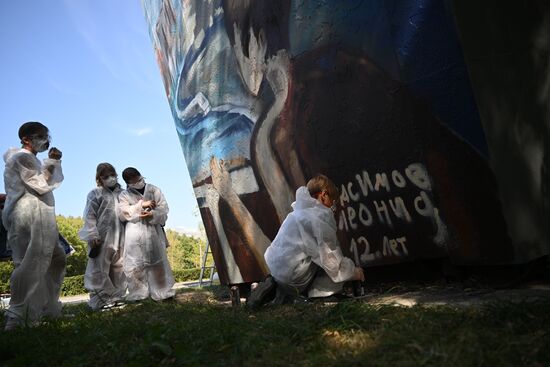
198, 330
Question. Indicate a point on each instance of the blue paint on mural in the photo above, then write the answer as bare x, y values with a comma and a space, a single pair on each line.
226, 135
414, 41
265, 94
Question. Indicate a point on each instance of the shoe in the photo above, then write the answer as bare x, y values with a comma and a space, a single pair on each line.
263, 293
12, 323
107, 307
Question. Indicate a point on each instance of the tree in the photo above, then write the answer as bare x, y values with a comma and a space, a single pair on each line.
183, 252
68, 228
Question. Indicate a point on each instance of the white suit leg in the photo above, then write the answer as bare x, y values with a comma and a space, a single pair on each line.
323, 286
33, 237
138, 287
117, 276
104, 278
54, 280
161, 281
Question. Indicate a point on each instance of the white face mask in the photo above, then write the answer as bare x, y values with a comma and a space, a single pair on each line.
138, 185
110, 181
40, 144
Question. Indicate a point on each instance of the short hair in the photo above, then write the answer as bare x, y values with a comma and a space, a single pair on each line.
31, 128
130, 173
102, 170
321, 183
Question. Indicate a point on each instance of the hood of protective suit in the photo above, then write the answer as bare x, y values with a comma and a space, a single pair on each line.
304, 200
307, 236
10, 152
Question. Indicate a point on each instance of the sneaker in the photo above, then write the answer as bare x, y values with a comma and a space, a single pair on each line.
263, 293
107, 306
12, 323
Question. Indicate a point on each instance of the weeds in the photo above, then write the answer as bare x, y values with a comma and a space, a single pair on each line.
200, 329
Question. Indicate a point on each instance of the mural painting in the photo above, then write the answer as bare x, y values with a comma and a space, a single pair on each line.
374, 94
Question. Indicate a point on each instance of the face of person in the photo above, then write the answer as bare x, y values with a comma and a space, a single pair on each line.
109, 179
137, 182
325, 199
39, 141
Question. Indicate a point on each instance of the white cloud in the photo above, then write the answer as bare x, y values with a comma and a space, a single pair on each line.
115, 32
61, 87
141, 131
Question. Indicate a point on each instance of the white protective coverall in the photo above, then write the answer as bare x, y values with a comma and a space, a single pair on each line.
104, 277
306, 242
29, 217
145, 263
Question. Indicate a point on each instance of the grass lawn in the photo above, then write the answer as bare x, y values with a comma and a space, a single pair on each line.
199, 330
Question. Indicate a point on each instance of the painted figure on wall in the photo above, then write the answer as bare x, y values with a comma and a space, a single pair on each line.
266, 94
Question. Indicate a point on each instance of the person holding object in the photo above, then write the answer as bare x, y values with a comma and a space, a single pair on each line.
29, 217
305, 257
144, 210
104, 233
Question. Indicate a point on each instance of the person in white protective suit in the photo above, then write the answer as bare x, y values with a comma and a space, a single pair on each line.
144, 209
305, 257
104, 232
29, 217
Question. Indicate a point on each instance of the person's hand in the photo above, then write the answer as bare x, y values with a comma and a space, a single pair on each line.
151, 204
54, 153
146, 214
358, 274
95, 248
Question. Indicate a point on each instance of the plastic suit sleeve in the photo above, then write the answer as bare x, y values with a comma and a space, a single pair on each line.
160, 213
338, 267
89, 231
329, 254
129, 212
42, 181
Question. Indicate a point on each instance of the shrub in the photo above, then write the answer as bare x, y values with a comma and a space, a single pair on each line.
73, 286
6, 267
184, 251
69, 227
184, 275
183, 254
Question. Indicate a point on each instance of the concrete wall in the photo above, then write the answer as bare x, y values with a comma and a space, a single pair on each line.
404, 104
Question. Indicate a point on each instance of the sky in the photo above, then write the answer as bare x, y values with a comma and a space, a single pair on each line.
86, 69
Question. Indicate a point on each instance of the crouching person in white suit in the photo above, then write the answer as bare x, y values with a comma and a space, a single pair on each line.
144, 209
305, 257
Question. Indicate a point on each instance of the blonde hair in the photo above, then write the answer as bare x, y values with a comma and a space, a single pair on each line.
102, 170
322, 183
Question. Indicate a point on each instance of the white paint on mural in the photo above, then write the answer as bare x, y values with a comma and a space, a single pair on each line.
212, 200
359, 213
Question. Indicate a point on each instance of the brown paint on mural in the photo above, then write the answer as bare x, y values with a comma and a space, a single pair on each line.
215, 247
344, 115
